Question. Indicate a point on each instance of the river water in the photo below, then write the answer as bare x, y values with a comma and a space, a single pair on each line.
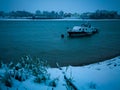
42, 39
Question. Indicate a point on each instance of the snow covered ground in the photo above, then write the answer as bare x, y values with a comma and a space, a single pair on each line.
99, 76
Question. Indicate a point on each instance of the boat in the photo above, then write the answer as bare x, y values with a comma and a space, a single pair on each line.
83, 30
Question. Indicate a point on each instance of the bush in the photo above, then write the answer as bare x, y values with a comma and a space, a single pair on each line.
11, 65
41, 78
54, 82
39, 70
6, 79
19, 74
41, 74
26, 67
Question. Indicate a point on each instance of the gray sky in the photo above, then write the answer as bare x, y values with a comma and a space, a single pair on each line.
57, 5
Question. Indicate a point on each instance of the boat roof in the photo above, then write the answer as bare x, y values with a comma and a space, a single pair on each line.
76, 27
79, 27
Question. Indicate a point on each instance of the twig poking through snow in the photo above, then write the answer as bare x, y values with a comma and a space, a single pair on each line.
69, 83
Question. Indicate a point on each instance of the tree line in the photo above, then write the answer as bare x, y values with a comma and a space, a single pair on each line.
101, 14
37, 15
98, 14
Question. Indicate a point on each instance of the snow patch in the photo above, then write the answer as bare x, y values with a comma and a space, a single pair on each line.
98, 76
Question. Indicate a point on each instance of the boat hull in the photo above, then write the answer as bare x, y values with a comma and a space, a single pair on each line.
79, 34
83, 30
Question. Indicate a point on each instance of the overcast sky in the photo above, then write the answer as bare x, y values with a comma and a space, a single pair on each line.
78, 6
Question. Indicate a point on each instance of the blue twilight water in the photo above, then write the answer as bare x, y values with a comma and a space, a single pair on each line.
42, 39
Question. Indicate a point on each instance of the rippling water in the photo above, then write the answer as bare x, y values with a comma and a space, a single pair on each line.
42, 39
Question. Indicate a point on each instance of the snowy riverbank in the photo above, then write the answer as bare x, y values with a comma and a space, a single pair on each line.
98, 76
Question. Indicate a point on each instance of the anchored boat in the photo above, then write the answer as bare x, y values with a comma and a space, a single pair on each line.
83, 30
